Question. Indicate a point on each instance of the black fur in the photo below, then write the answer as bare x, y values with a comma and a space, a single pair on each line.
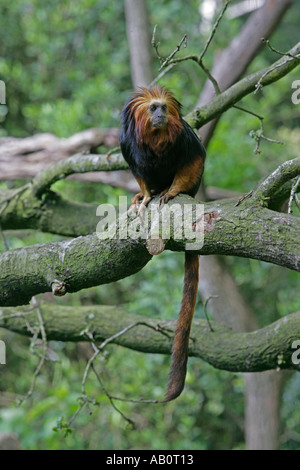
158, 171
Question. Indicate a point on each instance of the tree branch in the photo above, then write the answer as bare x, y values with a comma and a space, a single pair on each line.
285, 172
73, 165
67, 266
248, 230
268, 348
236, 92
34, 153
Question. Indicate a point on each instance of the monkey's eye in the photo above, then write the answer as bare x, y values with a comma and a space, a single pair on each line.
164, 108
152, 108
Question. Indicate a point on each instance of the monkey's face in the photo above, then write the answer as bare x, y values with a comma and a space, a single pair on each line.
158, 114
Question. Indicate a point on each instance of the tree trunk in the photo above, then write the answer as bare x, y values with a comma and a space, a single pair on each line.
137, 25
262, 409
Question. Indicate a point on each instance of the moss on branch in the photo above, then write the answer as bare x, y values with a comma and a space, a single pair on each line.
74, 264
246, 230
271, 347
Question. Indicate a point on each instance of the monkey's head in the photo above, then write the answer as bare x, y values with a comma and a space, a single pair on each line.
156, 116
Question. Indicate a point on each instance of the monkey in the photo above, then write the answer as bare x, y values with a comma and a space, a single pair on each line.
166, 157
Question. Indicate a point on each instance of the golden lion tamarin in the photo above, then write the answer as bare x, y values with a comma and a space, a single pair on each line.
167, 158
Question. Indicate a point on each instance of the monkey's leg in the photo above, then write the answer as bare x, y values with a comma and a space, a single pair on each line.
184, 181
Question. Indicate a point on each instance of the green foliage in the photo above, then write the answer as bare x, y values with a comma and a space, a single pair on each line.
68, 77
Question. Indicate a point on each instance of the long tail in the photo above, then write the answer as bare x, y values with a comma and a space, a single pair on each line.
181, 340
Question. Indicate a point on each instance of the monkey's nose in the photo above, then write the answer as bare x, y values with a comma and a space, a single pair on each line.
160, 121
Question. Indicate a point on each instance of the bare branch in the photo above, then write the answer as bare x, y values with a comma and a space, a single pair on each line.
266, 41
177, 49
236, 92
169, 61
214, 29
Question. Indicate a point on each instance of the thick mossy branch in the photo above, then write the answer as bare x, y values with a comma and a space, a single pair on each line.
246, 230
52, 214
73, 265
272, 347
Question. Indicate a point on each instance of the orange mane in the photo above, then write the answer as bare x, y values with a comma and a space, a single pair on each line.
157, 139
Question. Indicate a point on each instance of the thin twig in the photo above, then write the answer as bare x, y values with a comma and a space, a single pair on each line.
90, 365
258, 136
111, 398
33, 382
14, 193
41, 323
164, 72
205, 309
3, 238
177, 49
42, 356
199, 59
210, 77
248, 111
213, 31
266, 41
156, 44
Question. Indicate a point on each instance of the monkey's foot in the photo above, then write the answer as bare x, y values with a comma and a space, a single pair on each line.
140, 200
165, 196
137, 199
135, 202
143, 205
